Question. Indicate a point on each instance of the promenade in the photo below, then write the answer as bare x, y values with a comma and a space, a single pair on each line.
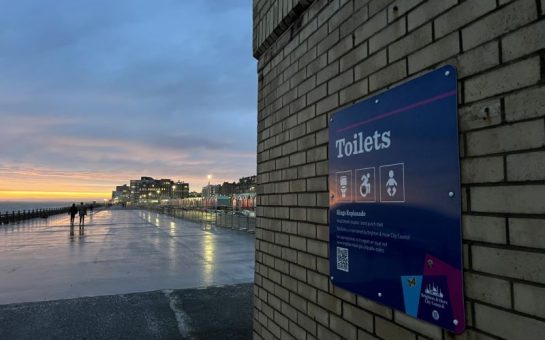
123, 252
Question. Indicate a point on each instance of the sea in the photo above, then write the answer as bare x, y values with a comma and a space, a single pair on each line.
9, 206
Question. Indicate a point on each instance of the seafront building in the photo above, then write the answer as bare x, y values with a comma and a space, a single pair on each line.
244, 185
150, 190
121, 194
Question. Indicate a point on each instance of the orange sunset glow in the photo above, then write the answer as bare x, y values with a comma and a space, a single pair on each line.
40, 184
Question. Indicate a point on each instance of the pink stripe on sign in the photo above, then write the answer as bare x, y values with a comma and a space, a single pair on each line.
400, 110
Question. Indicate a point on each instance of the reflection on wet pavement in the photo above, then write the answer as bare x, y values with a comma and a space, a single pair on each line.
118, 251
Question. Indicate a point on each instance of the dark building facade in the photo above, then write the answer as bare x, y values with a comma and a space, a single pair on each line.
149, 190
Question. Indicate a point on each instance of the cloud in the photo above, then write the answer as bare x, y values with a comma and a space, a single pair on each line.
138, 87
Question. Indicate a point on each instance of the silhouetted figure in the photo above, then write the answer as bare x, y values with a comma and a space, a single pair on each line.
91, 207
73, 211
82, 212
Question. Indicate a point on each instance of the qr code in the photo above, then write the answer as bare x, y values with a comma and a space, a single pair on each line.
342, 259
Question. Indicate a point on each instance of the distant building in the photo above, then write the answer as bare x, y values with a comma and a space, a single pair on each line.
122, 194
180, 190
244, 185
211, 190
149, 190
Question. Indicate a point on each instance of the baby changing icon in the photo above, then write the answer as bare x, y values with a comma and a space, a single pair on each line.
365, 185
392, 183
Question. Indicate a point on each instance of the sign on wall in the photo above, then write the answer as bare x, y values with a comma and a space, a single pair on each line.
395, 204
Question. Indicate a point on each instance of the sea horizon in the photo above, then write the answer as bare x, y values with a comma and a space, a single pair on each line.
15, 205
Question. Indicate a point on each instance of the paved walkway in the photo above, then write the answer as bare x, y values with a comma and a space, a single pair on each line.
122, 251
193, 314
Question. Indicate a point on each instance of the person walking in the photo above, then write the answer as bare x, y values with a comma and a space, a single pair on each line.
82, 212
73, 211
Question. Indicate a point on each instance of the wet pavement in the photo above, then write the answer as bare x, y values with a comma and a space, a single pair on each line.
211, 313
121, 251
131, 275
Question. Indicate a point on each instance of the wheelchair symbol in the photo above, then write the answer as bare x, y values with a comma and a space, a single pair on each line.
365, 187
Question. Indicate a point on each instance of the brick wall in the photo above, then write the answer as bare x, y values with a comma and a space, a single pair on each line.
322, 56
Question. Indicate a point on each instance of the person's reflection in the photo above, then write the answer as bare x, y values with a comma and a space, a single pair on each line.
72, 231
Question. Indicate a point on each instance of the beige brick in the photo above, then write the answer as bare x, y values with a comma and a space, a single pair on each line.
318, 313
315, 95
307, 323
374, 307
526, 166
370, 65
429, 330
392, 32
356, 55
461, 15
296, 331
479, 115
478, 59
389, 330
358, 317
523, 199
513, 137
527, 232
488, 289
341, 81
517, 264
360, 15
484, 229
505, 20
377, 5
354, 92
507, 325
388, 75
329, 302
482, 170
327, 104
342, 327
341, 16
434, 53
317, 247
328, 72
316, 66
324, 333
370, 27
528, 299
524, 41
525, 104
363, 335
339, 49
412, 42
427, 11
502, 80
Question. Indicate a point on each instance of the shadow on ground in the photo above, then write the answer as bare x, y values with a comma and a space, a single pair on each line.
211, 313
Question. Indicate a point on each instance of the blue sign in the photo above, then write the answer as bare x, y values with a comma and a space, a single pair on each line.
395, 200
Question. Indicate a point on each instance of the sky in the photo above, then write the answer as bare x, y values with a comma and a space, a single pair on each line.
94, 93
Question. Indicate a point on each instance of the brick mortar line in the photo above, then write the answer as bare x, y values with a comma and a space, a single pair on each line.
498, 38
511, 311
480, 331
505, 278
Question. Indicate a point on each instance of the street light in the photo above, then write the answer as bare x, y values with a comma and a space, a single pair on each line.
209, 189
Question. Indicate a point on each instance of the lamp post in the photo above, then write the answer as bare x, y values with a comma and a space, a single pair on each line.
209, 189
